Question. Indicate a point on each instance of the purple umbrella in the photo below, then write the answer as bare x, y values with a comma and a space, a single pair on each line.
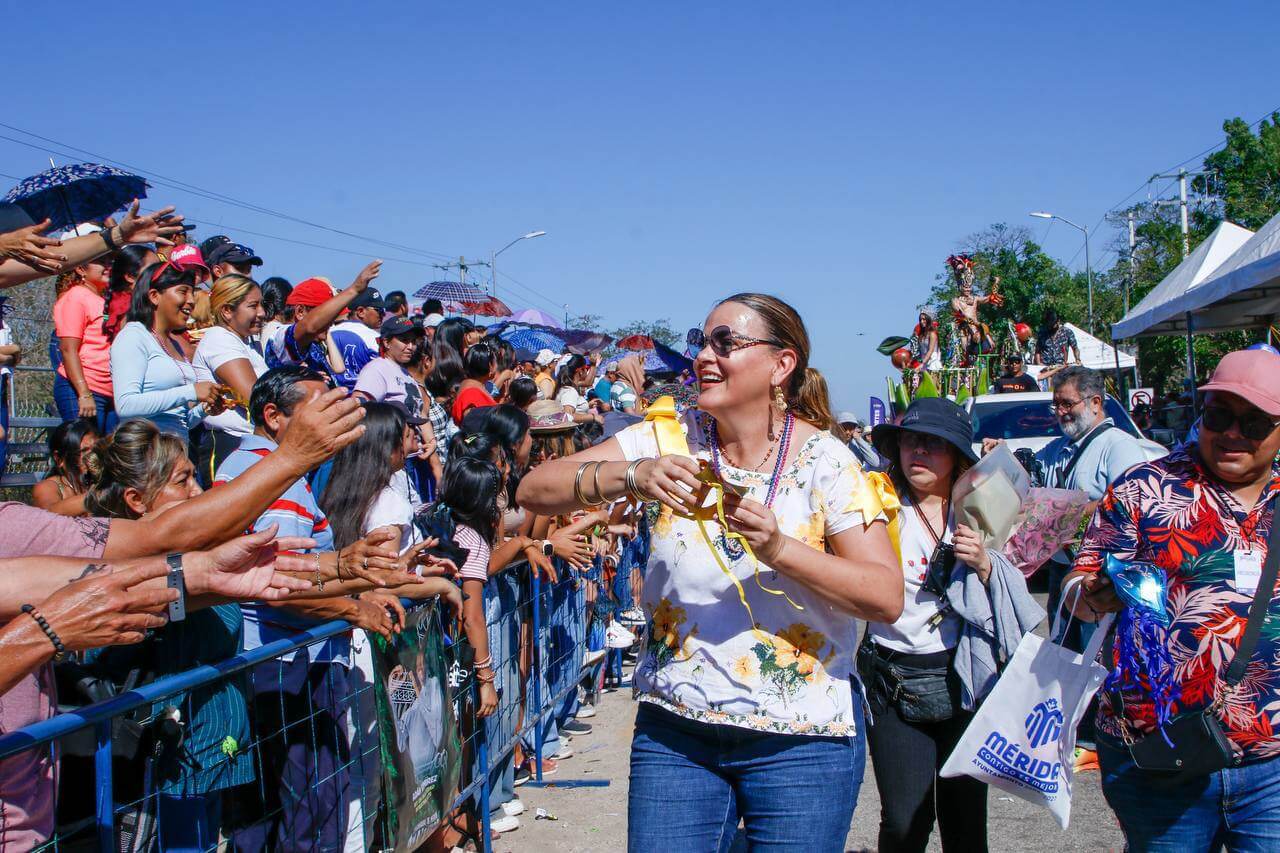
535, 317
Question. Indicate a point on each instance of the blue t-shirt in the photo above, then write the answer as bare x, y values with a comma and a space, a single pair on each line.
283, 350
358, 345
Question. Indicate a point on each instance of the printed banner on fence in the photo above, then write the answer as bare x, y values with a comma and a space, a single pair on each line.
421, 749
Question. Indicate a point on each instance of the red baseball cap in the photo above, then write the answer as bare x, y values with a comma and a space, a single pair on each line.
1252, 375
187, 255
311, 292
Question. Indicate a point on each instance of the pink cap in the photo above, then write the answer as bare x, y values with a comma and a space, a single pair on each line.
187, 255
1253, 375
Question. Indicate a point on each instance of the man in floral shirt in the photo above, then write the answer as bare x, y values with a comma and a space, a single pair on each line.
1202, 514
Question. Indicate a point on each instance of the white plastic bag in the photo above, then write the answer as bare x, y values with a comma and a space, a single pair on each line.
1024, 734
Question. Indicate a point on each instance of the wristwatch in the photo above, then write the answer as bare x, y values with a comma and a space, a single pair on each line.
547, 548
176, 580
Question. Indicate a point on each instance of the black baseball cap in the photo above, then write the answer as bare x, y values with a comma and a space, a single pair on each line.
232, 253
410, 418
395, 326
370, 298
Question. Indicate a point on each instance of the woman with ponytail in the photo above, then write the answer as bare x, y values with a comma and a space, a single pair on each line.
745, 681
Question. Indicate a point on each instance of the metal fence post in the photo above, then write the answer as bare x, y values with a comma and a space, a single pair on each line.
536, 675
482, 755
102, 786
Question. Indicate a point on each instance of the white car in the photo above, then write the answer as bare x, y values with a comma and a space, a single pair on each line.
1026, 420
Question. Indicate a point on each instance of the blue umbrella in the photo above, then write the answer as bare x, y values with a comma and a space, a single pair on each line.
450, 291
522, 337
80, 192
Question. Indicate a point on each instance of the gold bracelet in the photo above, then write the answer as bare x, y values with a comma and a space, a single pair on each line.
318, 583
577, 485
595, 483
633, 488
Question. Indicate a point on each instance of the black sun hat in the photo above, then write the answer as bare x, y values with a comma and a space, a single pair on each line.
931, 416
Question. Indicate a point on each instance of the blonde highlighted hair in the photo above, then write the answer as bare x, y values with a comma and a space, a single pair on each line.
229, 291
805, 389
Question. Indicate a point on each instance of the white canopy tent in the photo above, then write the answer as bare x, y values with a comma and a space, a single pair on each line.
1158, 312
1242, 293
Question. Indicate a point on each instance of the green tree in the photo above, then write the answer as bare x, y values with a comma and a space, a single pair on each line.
1245, 174
659, 330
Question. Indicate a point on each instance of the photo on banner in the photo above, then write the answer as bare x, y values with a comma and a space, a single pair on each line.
421, 747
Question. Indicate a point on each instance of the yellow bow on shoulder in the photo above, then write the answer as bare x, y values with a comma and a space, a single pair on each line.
879, 496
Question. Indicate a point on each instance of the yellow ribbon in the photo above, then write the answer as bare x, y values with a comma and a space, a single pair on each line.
671, 440
878, 497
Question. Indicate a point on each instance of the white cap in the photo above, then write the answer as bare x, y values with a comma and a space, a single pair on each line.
433, 320
545, 357
84, 229
847, 418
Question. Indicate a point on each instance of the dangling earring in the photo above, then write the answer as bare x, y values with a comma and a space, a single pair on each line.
779, 403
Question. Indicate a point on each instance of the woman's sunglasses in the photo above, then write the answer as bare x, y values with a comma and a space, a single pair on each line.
723, 341
1254, 425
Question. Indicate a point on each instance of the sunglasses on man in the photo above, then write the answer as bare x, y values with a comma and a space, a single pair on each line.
724, 341
1254, 425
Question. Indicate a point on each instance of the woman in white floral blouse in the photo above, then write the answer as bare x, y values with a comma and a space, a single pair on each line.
747, 708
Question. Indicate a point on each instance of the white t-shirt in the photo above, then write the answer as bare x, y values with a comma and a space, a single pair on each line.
218, 347
569, 396
703, 660
391, 508
911, 633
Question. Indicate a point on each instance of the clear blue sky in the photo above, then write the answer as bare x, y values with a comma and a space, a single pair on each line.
831, 153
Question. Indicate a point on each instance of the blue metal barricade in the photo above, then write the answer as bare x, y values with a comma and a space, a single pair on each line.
280, 751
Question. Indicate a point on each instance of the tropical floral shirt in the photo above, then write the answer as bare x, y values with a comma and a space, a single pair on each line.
1170, 512
703, 659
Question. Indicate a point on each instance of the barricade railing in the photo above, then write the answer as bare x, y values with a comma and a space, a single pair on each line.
280, 749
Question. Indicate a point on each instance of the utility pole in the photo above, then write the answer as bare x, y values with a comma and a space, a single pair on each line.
1182, 202
461, 266
1133, 262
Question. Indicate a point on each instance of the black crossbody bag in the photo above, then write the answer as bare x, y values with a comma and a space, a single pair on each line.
1200, 746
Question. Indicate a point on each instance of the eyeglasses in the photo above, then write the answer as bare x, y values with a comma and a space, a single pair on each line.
723, 341
1063, 406
1254, 425
913, 440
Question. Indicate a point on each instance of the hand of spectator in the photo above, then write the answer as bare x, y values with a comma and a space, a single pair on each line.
10, 355
389, 602
541, 564
366, 276
150, 228
673, 481
250, 568
86, 406
432, 566
453, 595
321, 427
426, 441
574, 548
1100, 594
375, 558
971, 551
757, 524
990, 444
29, 246
488, 699
371, 614
105, 608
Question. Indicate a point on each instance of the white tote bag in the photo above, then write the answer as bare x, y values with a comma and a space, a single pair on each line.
1024, 734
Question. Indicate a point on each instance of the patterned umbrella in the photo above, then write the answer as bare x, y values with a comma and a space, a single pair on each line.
523, 337
80, 192
636, 342
451, 291
490, 306
535, 317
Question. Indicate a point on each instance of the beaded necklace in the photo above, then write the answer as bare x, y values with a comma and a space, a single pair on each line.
732, 548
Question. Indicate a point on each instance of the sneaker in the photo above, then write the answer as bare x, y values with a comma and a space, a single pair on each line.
549, 768
523, 775
505, 823
585, 712
513, 807
631, 616
1083, 760
566, 751
618, 637
576, 727
594, 656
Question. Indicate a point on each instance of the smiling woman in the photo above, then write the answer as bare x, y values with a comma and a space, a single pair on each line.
751, 626
152, 376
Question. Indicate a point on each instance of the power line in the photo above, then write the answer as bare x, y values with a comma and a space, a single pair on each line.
547, 300
182, 186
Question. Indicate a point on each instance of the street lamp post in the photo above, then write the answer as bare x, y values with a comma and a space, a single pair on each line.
1088, 268
493, 257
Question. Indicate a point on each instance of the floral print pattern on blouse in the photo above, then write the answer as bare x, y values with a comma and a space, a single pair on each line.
1170, 512
704, 659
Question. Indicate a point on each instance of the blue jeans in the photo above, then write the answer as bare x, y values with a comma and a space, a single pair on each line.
1238, 807
691, 782
64, 396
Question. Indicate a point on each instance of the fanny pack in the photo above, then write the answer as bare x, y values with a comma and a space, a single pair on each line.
1196, 745
920, 695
